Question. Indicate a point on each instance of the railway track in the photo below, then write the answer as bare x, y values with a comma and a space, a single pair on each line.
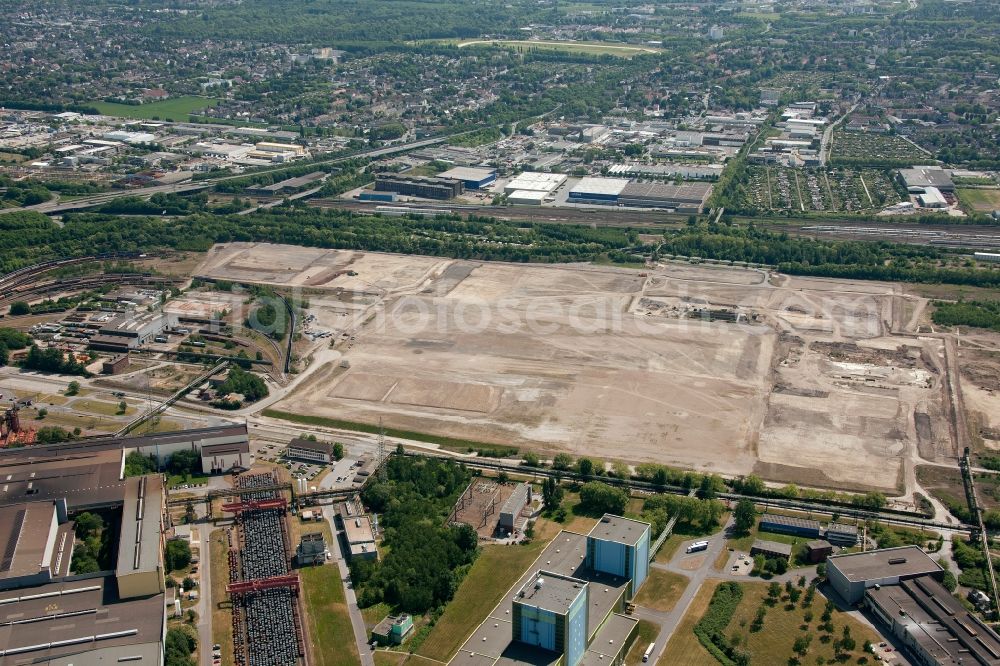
890, 516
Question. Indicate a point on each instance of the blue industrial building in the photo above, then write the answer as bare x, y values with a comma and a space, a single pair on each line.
388, 197
620, 547
570, 613
551, 613
802, 527
472, 178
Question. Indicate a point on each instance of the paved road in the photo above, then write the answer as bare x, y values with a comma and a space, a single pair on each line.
204, 608
669, 621
357, 621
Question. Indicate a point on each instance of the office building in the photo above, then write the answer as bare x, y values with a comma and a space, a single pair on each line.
417, 186
573, 597
841, 535
310, 451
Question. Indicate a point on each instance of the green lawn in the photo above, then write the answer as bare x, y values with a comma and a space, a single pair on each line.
589, 48
980, 200
782, 627
661, 590
175, 480
494, 572
176, 108
330, 633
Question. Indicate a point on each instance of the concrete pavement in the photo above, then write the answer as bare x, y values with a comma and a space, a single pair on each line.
357, 621
204, 606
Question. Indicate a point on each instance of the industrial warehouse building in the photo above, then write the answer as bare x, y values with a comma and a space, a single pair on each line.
836, 533
418, 186
919, 178
569, 611
534, 181
850, 575
130, 331
932, 624
771, 522
597, 190
224, 458
527, 197
109, 617
358, 532
686, 198
931, 197
902, 588
472, 178
510, 512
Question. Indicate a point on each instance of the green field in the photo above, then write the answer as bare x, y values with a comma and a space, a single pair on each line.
661, 590
588, 48
783, 623
980, 200
330, 630
496, 569
176, 108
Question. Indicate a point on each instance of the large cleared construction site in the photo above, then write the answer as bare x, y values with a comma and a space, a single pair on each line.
728, 369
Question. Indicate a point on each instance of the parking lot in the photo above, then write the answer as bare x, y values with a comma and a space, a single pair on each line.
739, 564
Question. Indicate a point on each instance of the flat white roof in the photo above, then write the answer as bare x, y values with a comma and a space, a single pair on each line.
468, 173
532, 195
536, 181
604, 186
932, 195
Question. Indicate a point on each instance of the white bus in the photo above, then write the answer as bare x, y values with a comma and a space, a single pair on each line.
696, 546
648, 653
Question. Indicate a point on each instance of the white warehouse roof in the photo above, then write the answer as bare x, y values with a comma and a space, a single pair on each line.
529, 197
600, 186
535, 181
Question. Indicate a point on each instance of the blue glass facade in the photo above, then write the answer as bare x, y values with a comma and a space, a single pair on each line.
538, 627
576, 634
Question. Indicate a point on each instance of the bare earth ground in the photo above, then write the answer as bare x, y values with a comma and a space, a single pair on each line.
821, 381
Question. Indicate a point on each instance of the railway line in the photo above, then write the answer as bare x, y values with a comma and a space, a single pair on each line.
968, 237
888, 516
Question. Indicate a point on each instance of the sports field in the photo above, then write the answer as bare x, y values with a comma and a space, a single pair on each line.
588, 48
176, 108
